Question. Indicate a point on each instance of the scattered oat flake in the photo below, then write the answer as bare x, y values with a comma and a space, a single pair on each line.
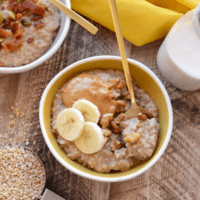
12, 123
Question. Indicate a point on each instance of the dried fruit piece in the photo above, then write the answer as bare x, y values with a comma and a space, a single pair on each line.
30, 40
26, 22
12, 15
1, 18
39, 25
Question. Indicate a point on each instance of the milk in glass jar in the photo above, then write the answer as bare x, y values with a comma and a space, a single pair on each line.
179, 55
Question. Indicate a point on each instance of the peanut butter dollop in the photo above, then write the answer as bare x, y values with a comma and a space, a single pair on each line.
91, 88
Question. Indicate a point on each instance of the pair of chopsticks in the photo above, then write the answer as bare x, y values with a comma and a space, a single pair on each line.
76, 17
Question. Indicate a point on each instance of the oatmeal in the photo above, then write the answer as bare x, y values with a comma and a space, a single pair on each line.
127, 142
27, 30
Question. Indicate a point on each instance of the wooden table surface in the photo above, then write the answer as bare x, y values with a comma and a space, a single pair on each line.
175, 176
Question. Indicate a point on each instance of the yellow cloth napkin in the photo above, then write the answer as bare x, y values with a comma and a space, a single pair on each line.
142, 21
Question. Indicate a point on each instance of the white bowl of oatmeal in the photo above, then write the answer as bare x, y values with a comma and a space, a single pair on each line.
131, 146
31, 31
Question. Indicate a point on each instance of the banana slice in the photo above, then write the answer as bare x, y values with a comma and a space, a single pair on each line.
89, 111
70, 123
91, 140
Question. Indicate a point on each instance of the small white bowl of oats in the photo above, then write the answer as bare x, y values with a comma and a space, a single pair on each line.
31, 31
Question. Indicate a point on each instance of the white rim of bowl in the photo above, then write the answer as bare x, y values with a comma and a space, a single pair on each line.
46, 55
105, 179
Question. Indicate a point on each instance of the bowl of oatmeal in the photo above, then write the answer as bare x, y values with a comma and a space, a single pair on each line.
31, 31
92, 95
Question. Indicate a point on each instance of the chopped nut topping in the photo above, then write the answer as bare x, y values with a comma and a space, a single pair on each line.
121, 106
115, 144
142, 117
121, 85
115, 127
119, 118
106, 119
133, 137
107, 132
116, 83
113, 83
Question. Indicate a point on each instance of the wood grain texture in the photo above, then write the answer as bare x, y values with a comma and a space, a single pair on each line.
175, 176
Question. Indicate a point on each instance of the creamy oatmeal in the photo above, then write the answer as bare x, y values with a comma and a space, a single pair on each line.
27, 30
127, 142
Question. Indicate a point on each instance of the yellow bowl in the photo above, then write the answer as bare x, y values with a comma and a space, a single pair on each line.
145, 78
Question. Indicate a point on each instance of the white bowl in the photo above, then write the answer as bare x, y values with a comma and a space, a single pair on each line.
145, 79
63, 30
